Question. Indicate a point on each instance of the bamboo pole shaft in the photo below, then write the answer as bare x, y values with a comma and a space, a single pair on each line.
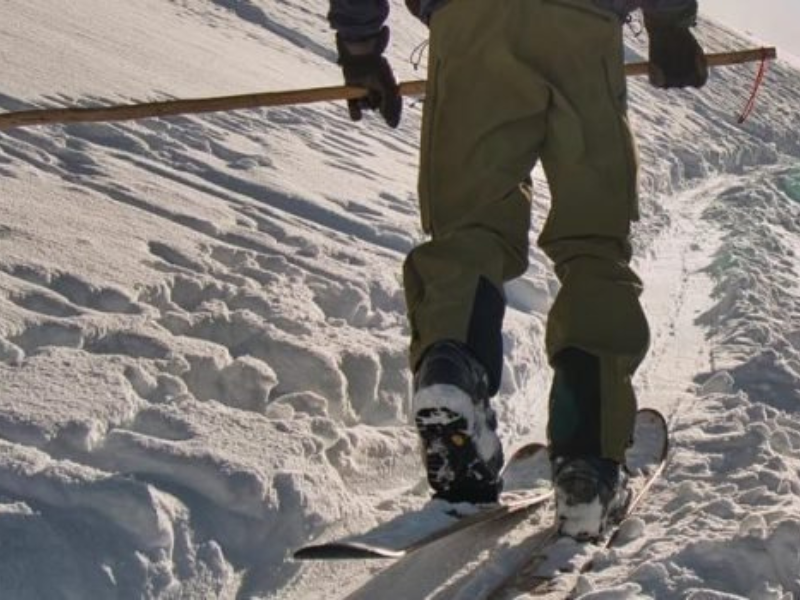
722, 59
167, 108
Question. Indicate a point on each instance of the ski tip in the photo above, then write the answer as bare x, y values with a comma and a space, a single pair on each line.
344, 551
524, 452
652, 415
528, 450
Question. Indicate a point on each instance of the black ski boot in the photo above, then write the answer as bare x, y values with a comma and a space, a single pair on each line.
591, 491
591, 494
461, 450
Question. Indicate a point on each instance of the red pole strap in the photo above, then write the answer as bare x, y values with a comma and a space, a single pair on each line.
751, 103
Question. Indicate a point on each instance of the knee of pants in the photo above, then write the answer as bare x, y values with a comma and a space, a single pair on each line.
598, 311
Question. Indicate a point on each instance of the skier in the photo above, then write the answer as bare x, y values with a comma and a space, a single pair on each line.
511, 82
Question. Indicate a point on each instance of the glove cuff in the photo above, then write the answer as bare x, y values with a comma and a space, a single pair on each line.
362, 49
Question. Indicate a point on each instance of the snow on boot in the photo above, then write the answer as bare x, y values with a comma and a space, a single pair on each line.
591, 493
457, 427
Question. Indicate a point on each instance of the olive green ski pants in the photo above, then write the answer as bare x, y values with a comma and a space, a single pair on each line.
511, 82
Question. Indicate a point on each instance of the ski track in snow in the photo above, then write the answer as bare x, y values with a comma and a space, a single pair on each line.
202, 331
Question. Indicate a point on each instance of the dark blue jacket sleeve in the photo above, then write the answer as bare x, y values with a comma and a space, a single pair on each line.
683, 12
358, 19
669, 4
668, 10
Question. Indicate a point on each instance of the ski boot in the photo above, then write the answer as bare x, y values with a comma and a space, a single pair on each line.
462, 453
591, 493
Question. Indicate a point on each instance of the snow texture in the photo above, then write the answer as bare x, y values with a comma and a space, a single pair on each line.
203, 339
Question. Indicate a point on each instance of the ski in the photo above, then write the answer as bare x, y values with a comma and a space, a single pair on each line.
526, 477
555, 562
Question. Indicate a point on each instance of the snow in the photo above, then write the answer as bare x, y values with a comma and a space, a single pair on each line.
202, 330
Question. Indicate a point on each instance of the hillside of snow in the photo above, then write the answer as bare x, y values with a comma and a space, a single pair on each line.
203, 339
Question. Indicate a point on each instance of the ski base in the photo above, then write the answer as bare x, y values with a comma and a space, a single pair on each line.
526, 476
556, 562
527, 488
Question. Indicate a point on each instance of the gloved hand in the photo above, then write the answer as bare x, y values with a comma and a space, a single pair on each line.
364, 65
676, 58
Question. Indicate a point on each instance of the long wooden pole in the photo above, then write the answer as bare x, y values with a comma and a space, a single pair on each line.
126, 112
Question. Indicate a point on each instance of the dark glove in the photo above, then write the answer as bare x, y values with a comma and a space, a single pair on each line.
414, 7
364, 66
676, 59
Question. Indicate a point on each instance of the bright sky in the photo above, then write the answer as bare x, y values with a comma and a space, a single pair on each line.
775, 22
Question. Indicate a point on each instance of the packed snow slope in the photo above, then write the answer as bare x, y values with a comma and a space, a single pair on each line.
202, 331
